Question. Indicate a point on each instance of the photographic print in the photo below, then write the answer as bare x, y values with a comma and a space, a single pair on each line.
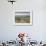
23, 18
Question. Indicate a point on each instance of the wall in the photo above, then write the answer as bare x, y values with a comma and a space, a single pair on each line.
9, 31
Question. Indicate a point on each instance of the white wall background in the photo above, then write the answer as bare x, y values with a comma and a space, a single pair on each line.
7, 11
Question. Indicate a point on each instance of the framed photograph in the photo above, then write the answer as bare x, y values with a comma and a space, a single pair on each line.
23, 18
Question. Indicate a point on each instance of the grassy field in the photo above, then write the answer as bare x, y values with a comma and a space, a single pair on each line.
22, 19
